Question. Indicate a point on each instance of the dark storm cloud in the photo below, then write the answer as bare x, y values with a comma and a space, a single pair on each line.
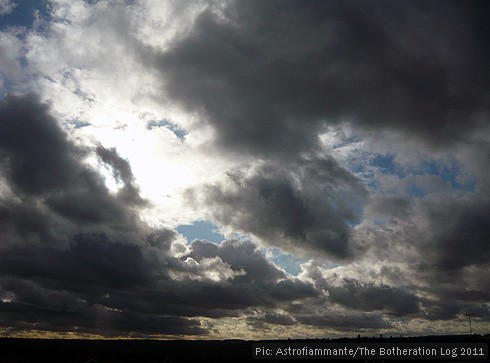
264, 321
261, 282
307, 206
443, 246
356, 295
239, 255
281, 319
95, 319
370, 297
37, 156
76, 257
465, 238
39, 163
453, 258
450, 307
66, 241
90, 260
269, 75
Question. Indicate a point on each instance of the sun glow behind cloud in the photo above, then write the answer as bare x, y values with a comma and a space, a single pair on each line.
266, 170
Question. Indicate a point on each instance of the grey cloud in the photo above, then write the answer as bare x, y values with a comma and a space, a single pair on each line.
464, 240
40, 164
262, 284
35, 150
66, 240
442, 248
450, 309
370, 297
76, 257
269, 75
288, 290
260, 321
96, 320
307, 206
29, 225
455, 259
276, 318
241, 255
388, 207
356, 295
457, 297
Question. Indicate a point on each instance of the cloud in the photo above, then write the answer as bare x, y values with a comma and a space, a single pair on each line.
75, 256
11, 52
370, 297
356, 321
122, 173
6, 7
307, 206
65, 235
354, 134
464, 240
240, 255
355, 293
267, 76
40, 159
269, 79
268, 319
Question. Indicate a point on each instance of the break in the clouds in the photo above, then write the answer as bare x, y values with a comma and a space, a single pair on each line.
344, 141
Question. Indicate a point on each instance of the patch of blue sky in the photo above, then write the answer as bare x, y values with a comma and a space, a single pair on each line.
386, 164
178, 131
356, 160
201, 230
368, 167
416, 190
24, 14
77, 124
379, 222
290, 264
448, 172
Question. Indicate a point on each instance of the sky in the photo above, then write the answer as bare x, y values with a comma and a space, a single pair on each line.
244, 169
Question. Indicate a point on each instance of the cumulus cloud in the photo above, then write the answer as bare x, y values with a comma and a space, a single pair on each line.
306, 206
268, 76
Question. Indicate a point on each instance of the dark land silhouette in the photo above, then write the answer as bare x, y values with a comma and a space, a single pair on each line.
16, 350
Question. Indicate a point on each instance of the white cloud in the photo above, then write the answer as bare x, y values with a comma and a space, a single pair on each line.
6, 6
11, 52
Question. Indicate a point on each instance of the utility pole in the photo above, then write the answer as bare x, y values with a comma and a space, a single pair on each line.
469, 315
